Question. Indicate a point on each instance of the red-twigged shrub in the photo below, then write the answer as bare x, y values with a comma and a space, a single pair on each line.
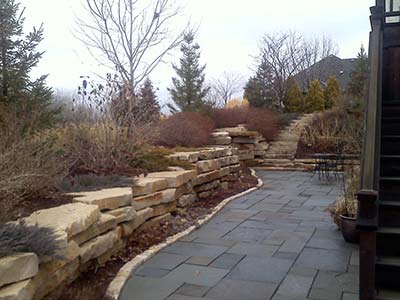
264, 121
187, 129
230, 117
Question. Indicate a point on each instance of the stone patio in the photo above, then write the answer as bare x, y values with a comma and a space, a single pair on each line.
276, 243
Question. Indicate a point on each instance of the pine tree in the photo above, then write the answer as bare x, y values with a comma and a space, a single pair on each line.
188, 91
332, 92
258, 89
314, 100
359, 77
148, 100
295, 98
18, 56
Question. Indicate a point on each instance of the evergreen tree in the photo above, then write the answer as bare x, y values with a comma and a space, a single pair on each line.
332, 92
148, 99
31, 100
359, 77
188, 91
258, 89
295, 98
314, 100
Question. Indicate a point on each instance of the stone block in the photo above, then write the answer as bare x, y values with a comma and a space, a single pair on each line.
185, 156
17, 291
225, 161
105, 257
165, 196
106, 198
206, 177
45, 282
208, 165
246, 155
105, 223
222, 140
224, 185
234, 160
209, 177
235, 168
186, 200
218, 134
18, 267
259, 153
230, 178
206, 194
244, 140
207, 186
142, 216
145, 186
70, 218
155, 221
123, 214
175, 178
72, 252
218, 152
205, 155
184, 189
99, 245
163, 209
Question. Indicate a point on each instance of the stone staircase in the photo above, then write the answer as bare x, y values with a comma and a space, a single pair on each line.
282, 152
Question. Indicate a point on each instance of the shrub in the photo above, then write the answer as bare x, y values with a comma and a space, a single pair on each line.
187, 129
314, 100
332, 92
230, 117
19, 237
335, 131
30, 169
347, 205
103, 148
264, 121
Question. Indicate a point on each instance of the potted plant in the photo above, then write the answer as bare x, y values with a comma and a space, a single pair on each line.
344, 211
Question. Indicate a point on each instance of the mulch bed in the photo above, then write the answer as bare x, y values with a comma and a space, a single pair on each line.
93, 284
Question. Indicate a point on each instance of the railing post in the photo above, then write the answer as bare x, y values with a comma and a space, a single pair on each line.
367, 218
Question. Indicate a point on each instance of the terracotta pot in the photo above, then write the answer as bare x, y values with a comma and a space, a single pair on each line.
348, 226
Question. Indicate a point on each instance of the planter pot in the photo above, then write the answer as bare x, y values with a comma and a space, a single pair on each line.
348, 226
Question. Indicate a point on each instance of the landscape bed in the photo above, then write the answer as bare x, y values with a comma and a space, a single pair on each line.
94, 283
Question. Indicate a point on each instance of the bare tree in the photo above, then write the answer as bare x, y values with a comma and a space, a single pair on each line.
288, 54
226, 87
314, 67
130, 36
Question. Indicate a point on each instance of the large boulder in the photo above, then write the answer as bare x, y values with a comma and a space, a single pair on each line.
106, 198
175, 178
18, 267
145, 186
70, 218
165, 196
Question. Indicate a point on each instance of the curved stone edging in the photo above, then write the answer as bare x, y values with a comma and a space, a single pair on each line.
115, 287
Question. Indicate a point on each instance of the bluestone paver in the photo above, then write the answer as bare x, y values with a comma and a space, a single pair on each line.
277, 243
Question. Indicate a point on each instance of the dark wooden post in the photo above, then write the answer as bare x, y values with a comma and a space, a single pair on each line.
368, 218
368, 224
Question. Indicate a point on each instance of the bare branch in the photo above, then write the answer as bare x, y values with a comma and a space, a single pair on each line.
131, 35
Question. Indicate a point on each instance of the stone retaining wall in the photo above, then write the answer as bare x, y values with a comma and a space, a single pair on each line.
94, 226
251, 145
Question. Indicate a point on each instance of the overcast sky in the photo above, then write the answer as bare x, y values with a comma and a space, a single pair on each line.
229, 32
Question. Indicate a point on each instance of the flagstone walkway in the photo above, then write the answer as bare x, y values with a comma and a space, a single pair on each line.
276, 243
